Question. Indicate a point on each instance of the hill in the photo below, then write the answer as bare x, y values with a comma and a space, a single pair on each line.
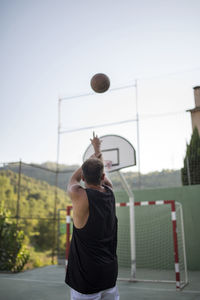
37, 198
44, 172
165, 178
47, 172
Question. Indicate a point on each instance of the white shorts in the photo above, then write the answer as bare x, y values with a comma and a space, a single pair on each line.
110, 294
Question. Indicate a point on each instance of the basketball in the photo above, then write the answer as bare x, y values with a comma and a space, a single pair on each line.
100, 83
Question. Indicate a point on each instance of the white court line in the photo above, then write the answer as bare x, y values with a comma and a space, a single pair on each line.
167, 290
33, 280
132, 287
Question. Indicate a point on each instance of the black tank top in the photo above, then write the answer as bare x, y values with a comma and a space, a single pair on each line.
92, 263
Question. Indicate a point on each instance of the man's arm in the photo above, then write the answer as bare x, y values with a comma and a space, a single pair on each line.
96, 142
74, 182
79, 199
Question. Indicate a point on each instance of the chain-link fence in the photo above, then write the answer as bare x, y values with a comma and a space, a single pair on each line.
36, 197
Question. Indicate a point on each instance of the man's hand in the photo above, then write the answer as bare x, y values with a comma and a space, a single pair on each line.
96, 143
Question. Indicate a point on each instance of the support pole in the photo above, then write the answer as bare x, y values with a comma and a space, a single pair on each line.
19, 192
58, 134
56, 187
68, 221
175, 239
138, 134
58, 239
183, 241
54, 222
132, 223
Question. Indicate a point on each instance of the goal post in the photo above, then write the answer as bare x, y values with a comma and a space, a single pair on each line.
159, 242
68, 232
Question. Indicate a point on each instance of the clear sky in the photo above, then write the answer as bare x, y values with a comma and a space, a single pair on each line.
51, 49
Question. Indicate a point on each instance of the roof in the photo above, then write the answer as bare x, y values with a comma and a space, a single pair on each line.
194, 109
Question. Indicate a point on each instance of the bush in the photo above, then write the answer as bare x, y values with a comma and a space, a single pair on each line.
43, 239
13, 254
38, 259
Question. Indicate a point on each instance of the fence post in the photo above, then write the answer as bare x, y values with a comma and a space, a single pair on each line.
55, 216
19, 192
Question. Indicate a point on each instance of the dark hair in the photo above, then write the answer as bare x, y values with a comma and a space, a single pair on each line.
92, 170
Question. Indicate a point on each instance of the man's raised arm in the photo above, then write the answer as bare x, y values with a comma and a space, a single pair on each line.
96, 143
74, 187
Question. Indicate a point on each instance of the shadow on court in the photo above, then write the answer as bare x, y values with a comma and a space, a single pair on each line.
48, 284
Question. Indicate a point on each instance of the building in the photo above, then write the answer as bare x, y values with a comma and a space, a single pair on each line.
195, 112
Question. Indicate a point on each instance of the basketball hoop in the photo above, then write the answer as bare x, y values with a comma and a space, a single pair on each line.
117, 153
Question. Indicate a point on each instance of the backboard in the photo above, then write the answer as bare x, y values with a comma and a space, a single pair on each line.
118, 153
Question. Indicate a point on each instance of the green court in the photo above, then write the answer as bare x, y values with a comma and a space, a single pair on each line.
48, 284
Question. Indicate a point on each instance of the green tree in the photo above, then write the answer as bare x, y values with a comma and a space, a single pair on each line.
190, 173
13, 254
43, 238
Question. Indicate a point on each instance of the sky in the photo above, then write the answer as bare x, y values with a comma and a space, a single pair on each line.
51, 49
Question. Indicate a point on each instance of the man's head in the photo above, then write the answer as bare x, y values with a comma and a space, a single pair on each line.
93, 171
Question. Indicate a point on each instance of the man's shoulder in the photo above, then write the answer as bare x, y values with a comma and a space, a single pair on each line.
106, 186
76, 190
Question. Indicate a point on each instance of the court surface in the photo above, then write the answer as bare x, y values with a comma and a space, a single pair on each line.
47, 283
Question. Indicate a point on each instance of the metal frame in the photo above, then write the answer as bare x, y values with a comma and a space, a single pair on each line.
132, 223
59, 131
68, 222
183, 241
172, 204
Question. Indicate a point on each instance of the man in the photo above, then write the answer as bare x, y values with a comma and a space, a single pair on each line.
92, 265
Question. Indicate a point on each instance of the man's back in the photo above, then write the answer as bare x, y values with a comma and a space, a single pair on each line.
92, 265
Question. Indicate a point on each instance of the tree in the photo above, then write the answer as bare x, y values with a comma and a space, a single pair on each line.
13, 254
190, 173
44, 235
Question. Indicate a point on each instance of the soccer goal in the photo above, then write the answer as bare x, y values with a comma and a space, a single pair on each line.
159, 242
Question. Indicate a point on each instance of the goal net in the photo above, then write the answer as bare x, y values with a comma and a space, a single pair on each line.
159, 242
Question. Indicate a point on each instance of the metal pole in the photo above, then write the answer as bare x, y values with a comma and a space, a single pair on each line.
132, 224
19, 191
58, 240
138, 134
93, 93
183, 241
56, 183
58, 133
54, 226
97, 126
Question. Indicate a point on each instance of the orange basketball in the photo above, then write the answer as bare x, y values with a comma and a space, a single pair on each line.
100, 83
